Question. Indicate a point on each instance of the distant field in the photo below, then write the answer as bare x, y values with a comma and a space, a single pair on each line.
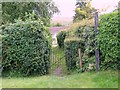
102, 79
62, 20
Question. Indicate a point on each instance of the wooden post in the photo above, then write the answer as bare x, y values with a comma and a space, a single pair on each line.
96, 43
79, 52
53, 58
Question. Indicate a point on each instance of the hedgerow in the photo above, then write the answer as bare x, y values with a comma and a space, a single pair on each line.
86, 34
84, 39
26, 48
71, 52
60, 38
108, 40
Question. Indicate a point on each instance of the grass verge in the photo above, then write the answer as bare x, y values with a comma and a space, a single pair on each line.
102, 79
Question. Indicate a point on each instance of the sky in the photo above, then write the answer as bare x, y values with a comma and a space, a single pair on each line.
67, 7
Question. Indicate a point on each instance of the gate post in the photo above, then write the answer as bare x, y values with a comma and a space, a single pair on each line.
96, 43
79, 52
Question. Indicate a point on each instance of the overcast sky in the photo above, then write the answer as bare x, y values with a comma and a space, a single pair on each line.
67, 7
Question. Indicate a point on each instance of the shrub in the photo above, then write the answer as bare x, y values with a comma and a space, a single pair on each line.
60, 39
84, 39
108, 40
57, 24
86, 33
71, 52
26, 48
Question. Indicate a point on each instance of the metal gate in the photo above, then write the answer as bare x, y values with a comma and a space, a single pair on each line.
58, 65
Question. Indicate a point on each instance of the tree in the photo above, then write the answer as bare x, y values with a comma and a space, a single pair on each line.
83, 10
15, 10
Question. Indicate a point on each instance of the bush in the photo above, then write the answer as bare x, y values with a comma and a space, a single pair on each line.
57, 24
86, 33
60, 39
83, 37
71, 52
108, 40
26, 48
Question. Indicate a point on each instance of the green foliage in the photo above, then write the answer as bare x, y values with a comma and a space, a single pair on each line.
57, 24
0, 14
71, 52
60, 39
26, 48
86, 33
108, 40
83, 38
15, 10
83, 10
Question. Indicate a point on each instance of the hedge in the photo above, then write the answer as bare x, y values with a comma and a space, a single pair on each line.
83, 38
86, 33
108, 40
60, 38
71, 52
26, 48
